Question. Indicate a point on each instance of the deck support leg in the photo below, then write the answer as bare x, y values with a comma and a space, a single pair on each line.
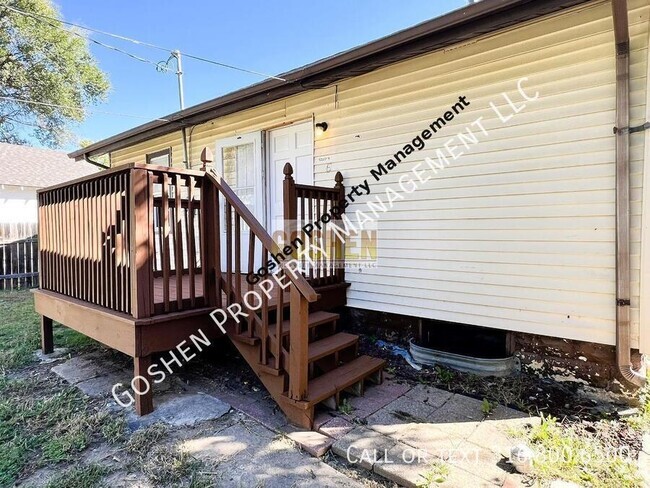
47, 335
144, 386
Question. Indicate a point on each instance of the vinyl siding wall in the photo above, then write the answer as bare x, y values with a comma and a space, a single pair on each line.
518, 233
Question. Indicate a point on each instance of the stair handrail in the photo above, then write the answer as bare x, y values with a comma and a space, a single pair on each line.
299, 281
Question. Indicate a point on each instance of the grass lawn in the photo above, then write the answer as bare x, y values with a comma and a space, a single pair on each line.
20, 331
48, 425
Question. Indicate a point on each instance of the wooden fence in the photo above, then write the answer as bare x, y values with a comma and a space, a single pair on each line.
18, 255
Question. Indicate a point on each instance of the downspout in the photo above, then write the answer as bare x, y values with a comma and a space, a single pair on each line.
622, 131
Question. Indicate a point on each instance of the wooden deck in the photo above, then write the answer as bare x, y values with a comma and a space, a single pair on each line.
158, 286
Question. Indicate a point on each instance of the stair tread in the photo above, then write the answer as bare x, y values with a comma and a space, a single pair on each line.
342, 377
331, 344
314, 319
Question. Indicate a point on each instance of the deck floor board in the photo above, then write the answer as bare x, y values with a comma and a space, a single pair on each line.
158, 285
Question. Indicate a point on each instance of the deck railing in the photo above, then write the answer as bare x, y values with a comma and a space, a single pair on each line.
147, 240
85, 237
324, 261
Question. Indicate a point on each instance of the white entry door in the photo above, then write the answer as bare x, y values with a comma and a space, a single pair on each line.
239, 160
291, 144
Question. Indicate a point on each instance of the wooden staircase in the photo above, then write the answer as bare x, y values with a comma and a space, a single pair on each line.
290, 340
333, 363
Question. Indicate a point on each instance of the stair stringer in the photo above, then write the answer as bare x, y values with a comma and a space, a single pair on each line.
298, 413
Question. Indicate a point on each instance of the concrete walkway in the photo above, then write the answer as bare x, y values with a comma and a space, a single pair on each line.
409, 435
412, 435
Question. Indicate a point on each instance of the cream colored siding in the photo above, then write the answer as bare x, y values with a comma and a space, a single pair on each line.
518, 233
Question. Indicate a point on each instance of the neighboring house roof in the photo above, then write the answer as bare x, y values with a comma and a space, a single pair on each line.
457, 26
35, 167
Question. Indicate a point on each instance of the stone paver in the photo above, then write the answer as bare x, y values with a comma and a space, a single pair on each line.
459, 416
314, 443
248, 454
434, 397
376, 397
336, 428
363, 447
401, 411
181, 410
79, 369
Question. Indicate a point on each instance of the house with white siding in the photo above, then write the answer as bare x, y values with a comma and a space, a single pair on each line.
531, 215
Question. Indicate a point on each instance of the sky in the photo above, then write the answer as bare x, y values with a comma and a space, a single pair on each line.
269, 37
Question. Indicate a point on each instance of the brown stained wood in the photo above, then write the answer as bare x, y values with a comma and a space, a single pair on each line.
298, 345
209, 235
178, 242
331, 345
143, 385
265, 319
47, 335
267, 242
251, 265
166, 264
110, 245
279, 320
228, 241
102, 241
237, 251
339, 379
216, 240
318, 260
191, 257
141, 258
127, 239
111, 328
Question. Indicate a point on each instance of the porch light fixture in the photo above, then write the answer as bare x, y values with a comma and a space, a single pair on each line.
320, 128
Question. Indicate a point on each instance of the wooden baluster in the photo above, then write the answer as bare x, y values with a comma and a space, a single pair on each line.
83, 231
279, 315
251, 266
191, 258
178, 242
302, 223
340, 255
216, 241
104, 259
237, 252
74, 243
151, 178
265, 316
92, 222
111, 241
228, 253
64, 244
319, 242
166, 258
126, 245
311, 219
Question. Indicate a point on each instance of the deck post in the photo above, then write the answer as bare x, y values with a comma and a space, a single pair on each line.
47, 335
290, 204
141, 247
144, 401
299, 345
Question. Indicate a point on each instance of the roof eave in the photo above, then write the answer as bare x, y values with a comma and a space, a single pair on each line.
457, 26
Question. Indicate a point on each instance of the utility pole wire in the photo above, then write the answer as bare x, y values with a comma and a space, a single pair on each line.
146, 44
107, 46
22, 100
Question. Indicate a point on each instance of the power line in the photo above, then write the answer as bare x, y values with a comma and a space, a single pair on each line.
33, 102
146, 44
99, 43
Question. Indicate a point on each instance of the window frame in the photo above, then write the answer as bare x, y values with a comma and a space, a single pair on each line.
156, 154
